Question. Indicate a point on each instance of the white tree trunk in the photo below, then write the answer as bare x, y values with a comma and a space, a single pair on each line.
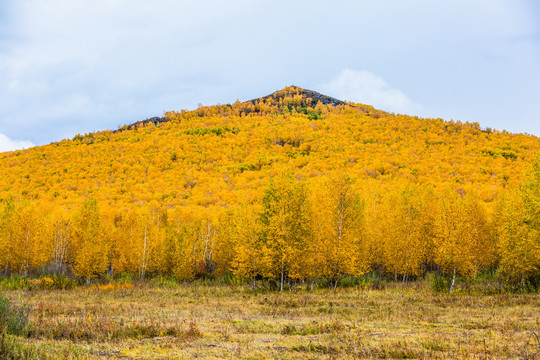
143, 262
453, 280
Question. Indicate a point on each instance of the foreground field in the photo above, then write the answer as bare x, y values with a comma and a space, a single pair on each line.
149, 322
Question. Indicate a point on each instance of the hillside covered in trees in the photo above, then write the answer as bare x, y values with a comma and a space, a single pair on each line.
292, 187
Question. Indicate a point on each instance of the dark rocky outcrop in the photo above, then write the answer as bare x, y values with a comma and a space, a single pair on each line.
154, 120
315, 96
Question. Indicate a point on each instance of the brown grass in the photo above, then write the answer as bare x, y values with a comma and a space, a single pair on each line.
148, 322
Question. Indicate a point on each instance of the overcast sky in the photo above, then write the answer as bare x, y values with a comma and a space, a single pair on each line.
75, 66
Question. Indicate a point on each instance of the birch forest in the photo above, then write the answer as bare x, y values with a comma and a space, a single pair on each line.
288, 190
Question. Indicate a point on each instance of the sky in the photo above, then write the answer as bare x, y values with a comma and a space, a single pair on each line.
78, 66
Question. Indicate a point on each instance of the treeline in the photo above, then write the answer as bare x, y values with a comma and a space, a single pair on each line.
299, 232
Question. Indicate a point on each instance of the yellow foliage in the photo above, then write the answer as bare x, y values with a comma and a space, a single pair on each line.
203, 193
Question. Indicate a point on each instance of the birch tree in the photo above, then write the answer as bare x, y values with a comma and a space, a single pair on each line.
88, 245
247, 246
7, 214
337, 240
519, 232
285, 228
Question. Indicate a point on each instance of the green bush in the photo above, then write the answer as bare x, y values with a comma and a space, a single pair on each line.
63, 282
13, 316
230, 279
125, 278
165, 281
54, 281
438, 283
368, 281
14, 282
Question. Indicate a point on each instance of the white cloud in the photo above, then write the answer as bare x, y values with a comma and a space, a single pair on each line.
367, 88
6, 144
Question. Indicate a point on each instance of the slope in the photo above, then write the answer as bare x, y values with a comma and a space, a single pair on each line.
215, 156
294, 186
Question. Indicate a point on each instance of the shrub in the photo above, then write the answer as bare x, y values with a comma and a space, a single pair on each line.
230, 279
438, 283
112, 286
13, 316
42, 283
165, 281
14, 282
193, 330
63, 282
54, 281
368, 281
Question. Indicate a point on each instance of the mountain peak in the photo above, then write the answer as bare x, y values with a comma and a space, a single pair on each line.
293, 90
294, 96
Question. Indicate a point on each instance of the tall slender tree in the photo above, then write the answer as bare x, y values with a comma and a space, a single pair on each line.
285, 229
88, 246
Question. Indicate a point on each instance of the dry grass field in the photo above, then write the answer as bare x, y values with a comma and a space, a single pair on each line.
224, 322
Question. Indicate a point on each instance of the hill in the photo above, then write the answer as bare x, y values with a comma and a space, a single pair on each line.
190, 171
215, 155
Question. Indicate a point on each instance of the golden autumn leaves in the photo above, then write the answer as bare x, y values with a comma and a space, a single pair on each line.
519, 223
299, 232
216, 157
257, 188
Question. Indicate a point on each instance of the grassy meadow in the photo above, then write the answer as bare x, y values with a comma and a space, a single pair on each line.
147, 321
